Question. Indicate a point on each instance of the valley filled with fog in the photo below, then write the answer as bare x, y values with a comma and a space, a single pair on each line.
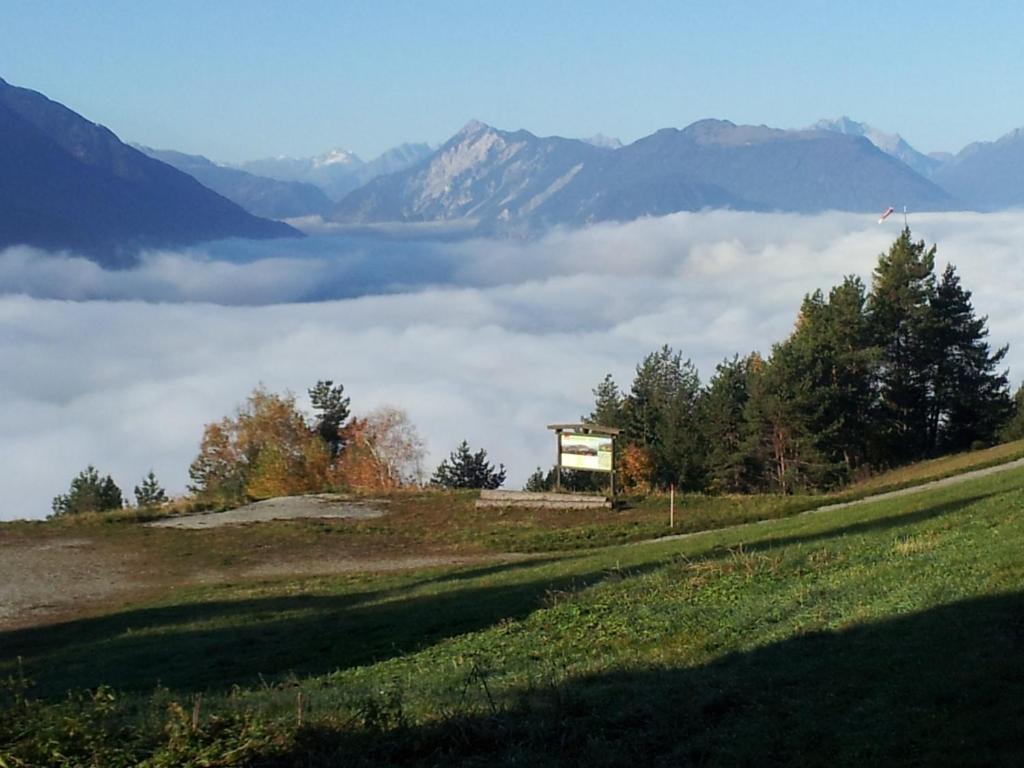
487, 340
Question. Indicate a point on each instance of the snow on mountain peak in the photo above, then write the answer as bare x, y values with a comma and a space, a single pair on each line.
890, 143
600, 140
337, 156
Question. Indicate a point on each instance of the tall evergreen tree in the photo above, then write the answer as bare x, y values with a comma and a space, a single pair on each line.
608, 404
723, 423
827, 370
970, 399
779, 448
900, 318
661, 415
331, 408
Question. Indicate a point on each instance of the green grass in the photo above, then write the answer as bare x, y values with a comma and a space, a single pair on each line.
447, 523
935, 469
888, 633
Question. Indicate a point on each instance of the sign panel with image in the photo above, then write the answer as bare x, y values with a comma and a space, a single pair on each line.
593, 452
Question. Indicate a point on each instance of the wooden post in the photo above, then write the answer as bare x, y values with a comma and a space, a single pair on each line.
613, 473
672, 505
558, 460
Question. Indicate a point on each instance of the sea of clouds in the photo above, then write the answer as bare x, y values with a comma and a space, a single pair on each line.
484, 340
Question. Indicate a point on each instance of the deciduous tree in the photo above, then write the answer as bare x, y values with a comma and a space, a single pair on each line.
382, 451
265, 450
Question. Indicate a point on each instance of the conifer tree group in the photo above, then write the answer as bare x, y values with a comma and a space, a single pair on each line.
867, 379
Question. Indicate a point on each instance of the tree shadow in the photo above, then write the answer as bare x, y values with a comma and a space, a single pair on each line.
212, 646
940, 687
215, 645
867, 526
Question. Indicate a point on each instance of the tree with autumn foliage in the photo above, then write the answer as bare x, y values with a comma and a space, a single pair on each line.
382, 451
266, 449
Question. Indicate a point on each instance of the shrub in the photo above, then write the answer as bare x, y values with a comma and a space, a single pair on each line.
88, 493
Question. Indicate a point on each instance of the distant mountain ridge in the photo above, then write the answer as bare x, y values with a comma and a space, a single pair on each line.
514, 179
891, 143
990, 174
338, 171
261, 196
68, 183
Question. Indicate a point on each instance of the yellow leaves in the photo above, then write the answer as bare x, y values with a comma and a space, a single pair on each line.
266, 450
636, 467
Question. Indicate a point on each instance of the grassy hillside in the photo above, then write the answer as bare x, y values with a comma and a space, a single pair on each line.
886, 633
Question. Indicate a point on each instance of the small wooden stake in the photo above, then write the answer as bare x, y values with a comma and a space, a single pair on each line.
298, 708
672, 506
195, 711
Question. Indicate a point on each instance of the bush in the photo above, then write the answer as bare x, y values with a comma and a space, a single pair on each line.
465, 469
88, 493
150, 493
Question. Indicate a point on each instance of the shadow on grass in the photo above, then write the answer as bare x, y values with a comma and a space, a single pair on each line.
215, 645
888, 522
941, 687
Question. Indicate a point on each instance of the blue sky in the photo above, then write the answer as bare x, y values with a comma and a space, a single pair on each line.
238, 80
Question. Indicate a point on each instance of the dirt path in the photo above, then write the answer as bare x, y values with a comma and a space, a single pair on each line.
944, 482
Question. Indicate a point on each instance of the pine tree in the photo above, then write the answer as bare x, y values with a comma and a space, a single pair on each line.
900, 318
826, 370
465, 469
331, 405
608, 404
150, 493
970, 399
88, 493
661, 415
723, 424
537, 482
778, 450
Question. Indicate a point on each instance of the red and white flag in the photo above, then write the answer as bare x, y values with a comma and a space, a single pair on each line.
886, 214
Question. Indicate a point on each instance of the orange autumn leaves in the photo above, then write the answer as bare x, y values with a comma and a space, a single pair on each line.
268, 449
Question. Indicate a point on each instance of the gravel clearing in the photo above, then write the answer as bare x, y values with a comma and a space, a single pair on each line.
45, 578
283, 508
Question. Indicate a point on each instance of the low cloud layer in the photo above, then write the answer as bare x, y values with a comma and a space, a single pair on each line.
483, 340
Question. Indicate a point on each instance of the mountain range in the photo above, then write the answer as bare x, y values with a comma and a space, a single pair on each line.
514, 180
69, 183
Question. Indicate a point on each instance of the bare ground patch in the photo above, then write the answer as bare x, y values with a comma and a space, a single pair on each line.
40, 579
323, 505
